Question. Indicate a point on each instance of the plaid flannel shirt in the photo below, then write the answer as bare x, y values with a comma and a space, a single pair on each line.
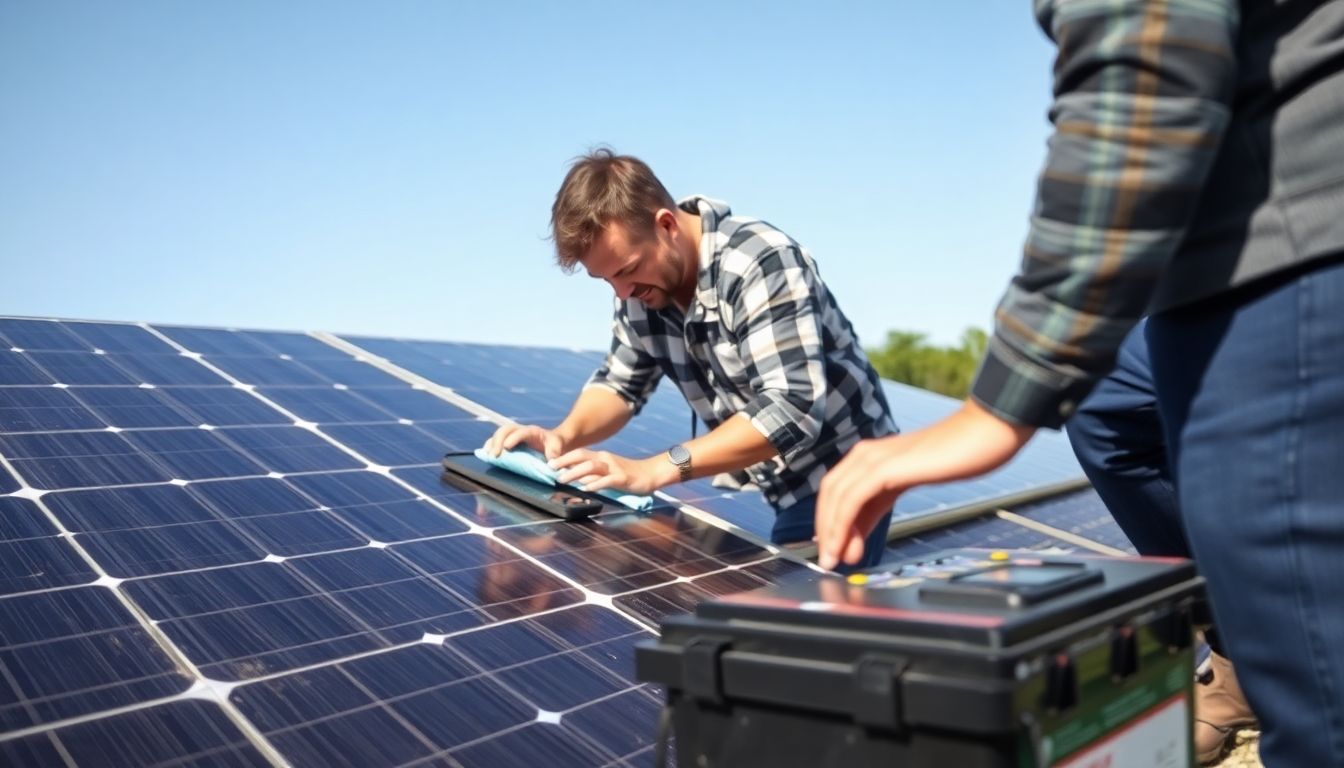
763, 337
1142, 97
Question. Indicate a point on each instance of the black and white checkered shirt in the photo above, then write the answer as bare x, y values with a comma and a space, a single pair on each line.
763, 337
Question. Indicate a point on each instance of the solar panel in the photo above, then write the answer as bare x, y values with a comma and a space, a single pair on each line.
235, 548
242, 540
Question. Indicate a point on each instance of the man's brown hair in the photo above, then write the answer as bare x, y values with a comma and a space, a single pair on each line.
602, 187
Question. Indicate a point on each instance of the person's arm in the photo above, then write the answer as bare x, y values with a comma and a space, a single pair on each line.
729, 447
1142, 98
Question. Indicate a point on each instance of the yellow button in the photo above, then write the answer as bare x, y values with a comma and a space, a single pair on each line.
857, 578
998, 556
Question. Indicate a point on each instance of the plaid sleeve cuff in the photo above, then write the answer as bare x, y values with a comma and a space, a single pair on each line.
782, 424
631, 399
1019, 390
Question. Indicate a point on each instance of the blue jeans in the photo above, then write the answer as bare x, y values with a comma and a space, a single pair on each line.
1251, 392
799, 523
1117, 436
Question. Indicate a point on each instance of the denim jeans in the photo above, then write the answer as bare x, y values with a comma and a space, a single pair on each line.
1117, 436
1251, 392
799, 523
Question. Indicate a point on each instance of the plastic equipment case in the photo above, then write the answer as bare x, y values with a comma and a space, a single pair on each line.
965, 658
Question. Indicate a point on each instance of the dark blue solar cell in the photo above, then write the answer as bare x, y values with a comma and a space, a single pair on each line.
252, 496
459, 435
299, 533
624, 724
563, 748
268, 371
291, 449
135, 552
560, 682
400, 520
506, 645
297, 345
131, 407
43, 616
8, 484
407, 670
43, 409
78, 460
21, 519
193, 454
212, 341
69, 677
291, 700
112, 337
41, 334
263, 639
182, 595
325, 405
354, 373
387, 595
80, 368
340, 489
363, 737
356, 568
15, 368
141, 506
181, 733
391, 445
414, 404
654, 605
167, 370
224, 406
29, 564
481, 707
454, 553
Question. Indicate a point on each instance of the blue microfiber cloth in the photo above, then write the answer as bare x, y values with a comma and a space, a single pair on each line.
533, 466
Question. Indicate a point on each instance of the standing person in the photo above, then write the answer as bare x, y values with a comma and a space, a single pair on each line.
1197, 170
1117, 436
734, 312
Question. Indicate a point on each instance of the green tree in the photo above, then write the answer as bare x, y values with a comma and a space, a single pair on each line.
907, 357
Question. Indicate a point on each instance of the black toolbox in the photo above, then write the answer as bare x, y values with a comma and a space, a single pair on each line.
964, 658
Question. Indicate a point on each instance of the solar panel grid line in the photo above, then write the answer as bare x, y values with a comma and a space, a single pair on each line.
383, 364
1050, 530
150, 627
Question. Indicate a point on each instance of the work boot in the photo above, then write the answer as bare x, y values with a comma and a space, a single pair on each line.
1220, 710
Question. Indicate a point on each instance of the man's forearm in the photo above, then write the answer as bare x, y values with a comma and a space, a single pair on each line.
597, 413
733, 445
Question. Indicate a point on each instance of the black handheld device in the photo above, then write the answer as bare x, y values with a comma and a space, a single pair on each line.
562, 501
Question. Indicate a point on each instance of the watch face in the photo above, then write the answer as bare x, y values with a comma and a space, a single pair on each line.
679, 454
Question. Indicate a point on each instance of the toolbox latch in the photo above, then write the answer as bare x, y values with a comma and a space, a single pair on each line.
702, 677
877, 691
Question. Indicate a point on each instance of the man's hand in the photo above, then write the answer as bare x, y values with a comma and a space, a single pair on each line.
599, 470
858, 491
550, 442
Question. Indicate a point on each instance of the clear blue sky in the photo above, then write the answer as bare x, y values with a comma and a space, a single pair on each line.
388, 168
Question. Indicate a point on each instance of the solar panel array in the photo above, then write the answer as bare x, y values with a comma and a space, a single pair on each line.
234, 548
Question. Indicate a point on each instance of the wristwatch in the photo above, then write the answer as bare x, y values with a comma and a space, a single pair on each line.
681, 456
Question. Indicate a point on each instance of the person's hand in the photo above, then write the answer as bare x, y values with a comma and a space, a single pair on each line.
549, 442
858, 491
599, 470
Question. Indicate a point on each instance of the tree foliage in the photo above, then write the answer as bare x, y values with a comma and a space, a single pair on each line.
908, 358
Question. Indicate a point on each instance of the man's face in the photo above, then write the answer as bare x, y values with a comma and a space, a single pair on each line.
646, 268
